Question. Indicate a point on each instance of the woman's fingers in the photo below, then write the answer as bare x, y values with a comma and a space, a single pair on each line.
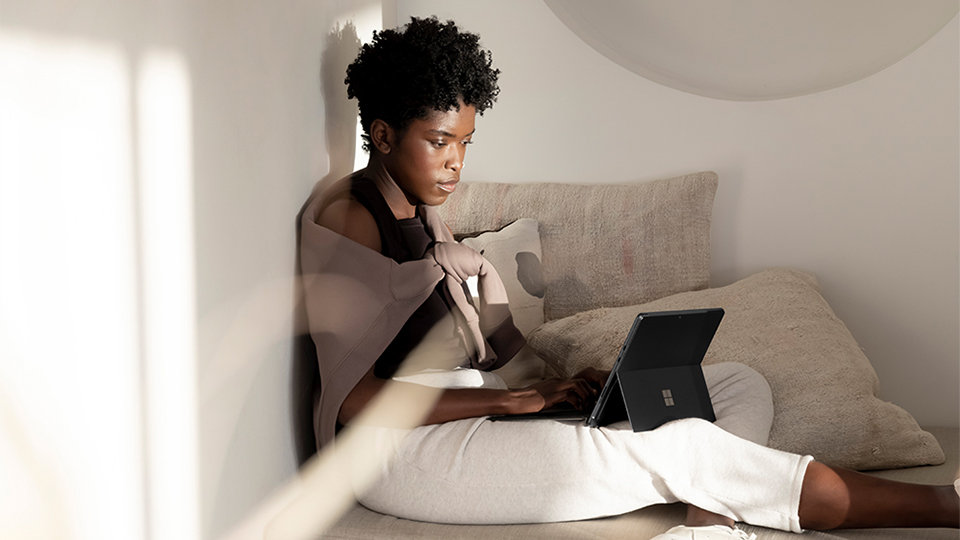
596, 377
577, 392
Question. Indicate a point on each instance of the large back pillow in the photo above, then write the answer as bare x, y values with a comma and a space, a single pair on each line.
654, 237
777, 322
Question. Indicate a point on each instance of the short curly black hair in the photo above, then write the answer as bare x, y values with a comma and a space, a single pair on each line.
426, 65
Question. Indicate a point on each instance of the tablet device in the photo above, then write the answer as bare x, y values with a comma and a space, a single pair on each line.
657, 376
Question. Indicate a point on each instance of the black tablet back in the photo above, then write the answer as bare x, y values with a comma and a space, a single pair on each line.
657, 376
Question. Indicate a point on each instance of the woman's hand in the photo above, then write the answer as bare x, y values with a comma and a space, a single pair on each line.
457, 403
457, 260
578, 392
596, 377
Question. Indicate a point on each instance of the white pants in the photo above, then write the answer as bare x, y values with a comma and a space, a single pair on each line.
474, 471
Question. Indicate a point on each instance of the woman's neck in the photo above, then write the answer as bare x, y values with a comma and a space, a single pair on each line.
396, 199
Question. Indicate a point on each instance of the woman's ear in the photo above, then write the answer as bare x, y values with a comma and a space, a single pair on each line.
381, 135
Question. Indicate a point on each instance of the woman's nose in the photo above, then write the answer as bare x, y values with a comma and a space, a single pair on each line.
455, 161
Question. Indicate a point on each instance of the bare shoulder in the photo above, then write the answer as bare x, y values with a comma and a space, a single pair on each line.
347, 217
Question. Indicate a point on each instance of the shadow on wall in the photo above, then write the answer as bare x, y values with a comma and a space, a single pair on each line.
340, 121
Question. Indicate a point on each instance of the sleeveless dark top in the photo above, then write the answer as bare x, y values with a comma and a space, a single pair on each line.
402, 240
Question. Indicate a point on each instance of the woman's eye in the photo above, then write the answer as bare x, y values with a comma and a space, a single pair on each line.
466, 142
438, 144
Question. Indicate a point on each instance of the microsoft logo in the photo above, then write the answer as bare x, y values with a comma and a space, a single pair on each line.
667, 398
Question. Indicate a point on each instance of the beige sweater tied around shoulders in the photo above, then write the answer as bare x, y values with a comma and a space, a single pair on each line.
357, 300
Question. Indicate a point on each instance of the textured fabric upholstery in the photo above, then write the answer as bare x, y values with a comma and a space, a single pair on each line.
603, 244
776, 321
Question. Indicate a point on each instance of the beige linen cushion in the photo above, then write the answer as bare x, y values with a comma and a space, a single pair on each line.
654, 237
824, 388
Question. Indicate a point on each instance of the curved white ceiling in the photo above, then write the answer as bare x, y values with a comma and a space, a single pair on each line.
755, 49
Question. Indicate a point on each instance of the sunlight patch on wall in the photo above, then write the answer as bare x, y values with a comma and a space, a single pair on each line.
169, 294
69, 376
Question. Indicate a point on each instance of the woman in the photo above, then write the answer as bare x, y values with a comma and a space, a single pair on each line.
386, 293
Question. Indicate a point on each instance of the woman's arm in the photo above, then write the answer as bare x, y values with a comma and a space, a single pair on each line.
459, 403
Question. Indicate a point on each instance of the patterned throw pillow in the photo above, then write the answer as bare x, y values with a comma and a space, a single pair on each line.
514, 251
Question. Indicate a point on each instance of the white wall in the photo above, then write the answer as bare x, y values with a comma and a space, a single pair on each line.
98, 337
271, 119
71, 450
858, 184
153, 159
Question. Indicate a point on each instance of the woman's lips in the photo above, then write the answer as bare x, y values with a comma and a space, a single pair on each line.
449, 187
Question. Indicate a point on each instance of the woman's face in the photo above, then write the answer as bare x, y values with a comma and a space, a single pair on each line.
425, 159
